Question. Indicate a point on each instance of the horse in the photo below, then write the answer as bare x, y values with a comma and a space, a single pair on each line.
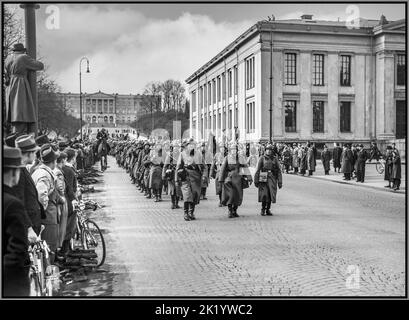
103, 150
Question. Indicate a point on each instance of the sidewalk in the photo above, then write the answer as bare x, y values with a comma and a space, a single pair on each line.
372, 178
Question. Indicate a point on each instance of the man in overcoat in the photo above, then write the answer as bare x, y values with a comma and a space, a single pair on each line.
16, 261
326, 158
362, 156
336, 157
396, 169
20, 109
346, 159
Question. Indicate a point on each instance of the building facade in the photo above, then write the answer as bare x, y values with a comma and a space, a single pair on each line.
104, 109
322, 80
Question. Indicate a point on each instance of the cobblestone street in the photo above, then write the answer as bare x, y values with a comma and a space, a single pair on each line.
319, 228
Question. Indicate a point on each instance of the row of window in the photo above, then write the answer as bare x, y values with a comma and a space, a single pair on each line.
317, 116
107, 119
290, 70
218, 120
105, 109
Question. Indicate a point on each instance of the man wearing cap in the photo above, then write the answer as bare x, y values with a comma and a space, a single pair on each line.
26, 190
40, 141
16, 261
20, 109
45, 181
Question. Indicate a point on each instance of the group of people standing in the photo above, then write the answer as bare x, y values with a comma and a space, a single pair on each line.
183, 170
40, 191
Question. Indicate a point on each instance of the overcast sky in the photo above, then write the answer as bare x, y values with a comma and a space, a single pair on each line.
129, 45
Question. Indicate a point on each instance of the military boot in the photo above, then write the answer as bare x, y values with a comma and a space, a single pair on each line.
191, 211
157, 198
268, 211
235, 215
263, 209
173, 202
230, 209
149, 196
186, 211
177, 202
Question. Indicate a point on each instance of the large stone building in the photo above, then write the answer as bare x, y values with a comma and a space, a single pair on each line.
328, 83
104, 109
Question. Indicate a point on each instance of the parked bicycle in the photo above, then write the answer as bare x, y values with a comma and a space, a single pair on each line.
380, 165
88, 235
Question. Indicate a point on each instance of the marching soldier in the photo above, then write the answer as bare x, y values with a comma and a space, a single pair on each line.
232, 173
168, 175
267, 178
215, 170
189, 177
206, 171
155, 172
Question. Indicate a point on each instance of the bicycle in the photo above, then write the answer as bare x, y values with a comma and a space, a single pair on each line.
44, 277
380, 165
88, 235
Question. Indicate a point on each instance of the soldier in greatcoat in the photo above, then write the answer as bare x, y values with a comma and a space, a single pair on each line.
267, 178
155, 172
168, 175
189, 176
234, 169
215, 170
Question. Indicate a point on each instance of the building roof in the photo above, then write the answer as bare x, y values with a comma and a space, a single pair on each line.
276, 25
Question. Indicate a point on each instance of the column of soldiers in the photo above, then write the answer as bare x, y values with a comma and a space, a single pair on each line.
183, 171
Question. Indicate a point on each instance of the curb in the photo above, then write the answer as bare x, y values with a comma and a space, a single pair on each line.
360, 185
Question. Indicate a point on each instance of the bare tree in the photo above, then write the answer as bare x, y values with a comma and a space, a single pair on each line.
13, 29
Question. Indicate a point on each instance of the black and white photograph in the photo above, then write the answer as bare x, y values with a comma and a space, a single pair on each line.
204, 150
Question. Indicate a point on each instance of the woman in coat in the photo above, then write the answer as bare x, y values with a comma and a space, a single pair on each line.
168, 175
396, 170
326, 158
267, 178
234, 169
215, 170
189, 177
346, 159
388, 166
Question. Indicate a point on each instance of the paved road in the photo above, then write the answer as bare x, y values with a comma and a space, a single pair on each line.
319, 228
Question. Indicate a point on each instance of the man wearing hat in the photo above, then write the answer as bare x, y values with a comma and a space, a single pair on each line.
40, 141
45, 181
361, 158
20, 109
346, 160
326, 158
26, 190
388, 166
16, 261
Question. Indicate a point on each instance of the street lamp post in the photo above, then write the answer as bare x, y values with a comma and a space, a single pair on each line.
83, 58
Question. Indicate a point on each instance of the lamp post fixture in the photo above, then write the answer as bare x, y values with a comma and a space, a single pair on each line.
82, 59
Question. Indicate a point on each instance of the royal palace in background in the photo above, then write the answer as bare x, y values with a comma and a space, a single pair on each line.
329, 83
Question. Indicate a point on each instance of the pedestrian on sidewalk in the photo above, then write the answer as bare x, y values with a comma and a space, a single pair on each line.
326, 158
267, 178
354, 150
26, 190
189, 172
45, 181
16, 261
232, 173
336, 157
396, 169
296, 161
388, 166
62, 191
310, 159
346, 159
362, 156
302, 155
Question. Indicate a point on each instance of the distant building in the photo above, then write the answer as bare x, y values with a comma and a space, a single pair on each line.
330, 83
102, 108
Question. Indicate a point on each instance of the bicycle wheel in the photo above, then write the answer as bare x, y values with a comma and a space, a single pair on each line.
380, 167
93, 239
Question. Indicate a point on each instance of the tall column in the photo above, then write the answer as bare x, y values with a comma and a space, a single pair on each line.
31, 45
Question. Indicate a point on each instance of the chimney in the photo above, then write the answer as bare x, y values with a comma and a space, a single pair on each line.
306, 17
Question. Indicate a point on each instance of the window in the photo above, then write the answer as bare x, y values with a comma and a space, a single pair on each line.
318, 116
230, 119
205, 95
290, 69
224, 85
318, 70
214, 120
94, 119
201, 98
111, 119
194, 101
400, 132
345, 116
224, 120
236, 115
88, 109
209, 95
345, 74
235, 79
214, 91
218, 89
401, 70
250, 117
290, 116
250, 73
219, 119
230, 80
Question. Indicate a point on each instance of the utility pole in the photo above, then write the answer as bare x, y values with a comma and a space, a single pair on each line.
271, 86
31, 45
